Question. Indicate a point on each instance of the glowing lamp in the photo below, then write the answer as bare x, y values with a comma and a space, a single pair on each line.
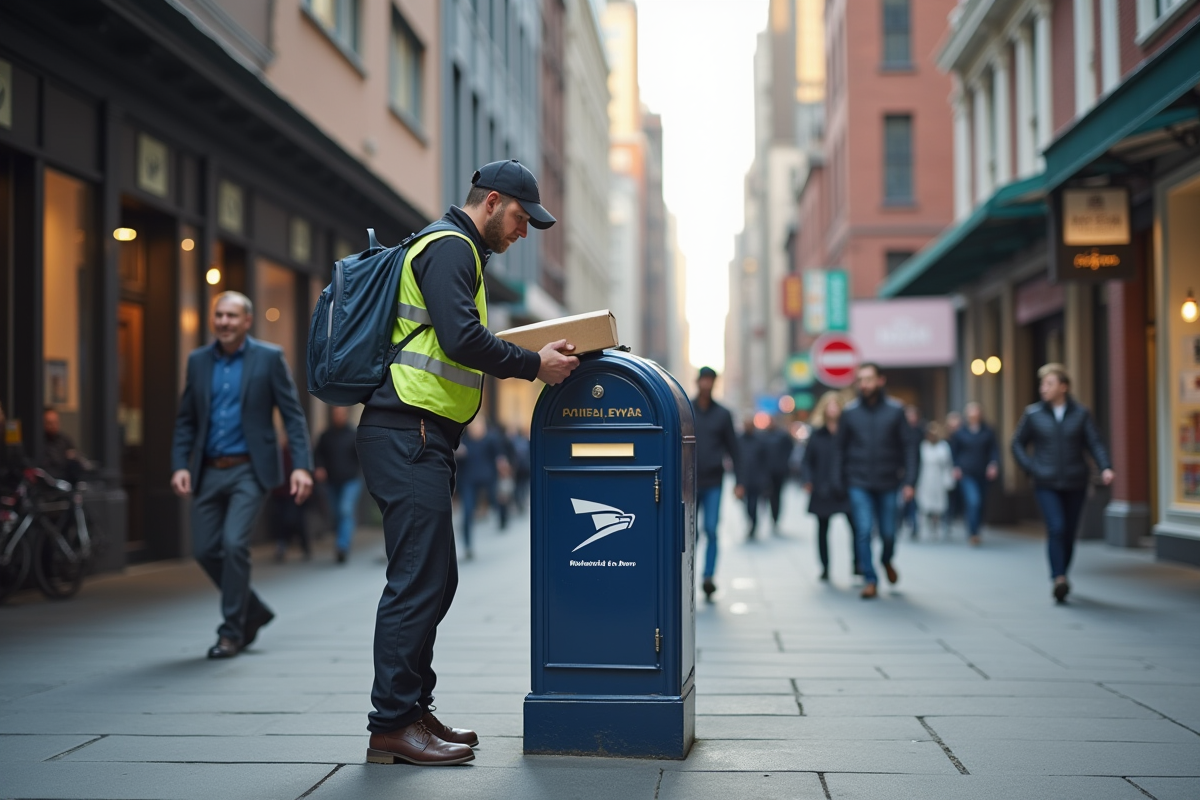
978, 367
1189, 310
124, 234
213, 276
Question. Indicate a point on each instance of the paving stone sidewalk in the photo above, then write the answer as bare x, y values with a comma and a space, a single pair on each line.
963, 681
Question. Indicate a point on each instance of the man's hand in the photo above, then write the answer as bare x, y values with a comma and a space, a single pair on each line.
302, 484
993, 471
181, 482
321, 475
907, 493
739, 492
958, 473
556, 364
808, 488
1107, 477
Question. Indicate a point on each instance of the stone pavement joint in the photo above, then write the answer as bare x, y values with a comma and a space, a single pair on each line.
945, 748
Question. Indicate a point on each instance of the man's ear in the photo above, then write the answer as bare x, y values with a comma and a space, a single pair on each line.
492, 201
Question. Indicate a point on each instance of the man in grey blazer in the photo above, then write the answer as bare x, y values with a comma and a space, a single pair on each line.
227, 452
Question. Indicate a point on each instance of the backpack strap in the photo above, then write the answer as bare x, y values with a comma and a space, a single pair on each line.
372, 242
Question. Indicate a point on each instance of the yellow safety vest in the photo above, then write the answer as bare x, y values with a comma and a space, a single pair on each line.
422, 374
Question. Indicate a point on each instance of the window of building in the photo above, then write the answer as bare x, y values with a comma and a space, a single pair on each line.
897, 38
69, 243
1154, 14
275, 308
897, 159
895, 258
407, 58
339, 19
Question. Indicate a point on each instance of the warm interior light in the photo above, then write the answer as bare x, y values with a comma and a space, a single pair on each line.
272, 315
993, 364
124, 234
787, 404
213, 276
1190, 311
978, 367
187, 244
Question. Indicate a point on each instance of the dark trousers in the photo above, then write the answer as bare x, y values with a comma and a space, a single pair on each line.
1061, 509
775, 496
751, 497
411, 476
972, 490
287, 523
823, 543
227, 503
469, 494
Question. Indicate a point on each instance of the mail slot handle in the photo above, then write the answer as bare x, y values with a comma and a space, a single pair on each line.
602, 450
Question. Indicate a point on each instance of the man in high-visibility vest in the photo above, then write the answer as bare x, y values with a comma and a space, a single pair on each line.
407, 437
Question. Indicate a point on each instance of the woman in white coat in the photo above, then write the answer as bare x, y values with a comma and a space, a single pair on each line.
936, 478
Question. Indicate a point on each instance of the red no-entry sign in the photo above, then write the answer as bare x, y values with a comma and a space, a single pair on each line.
835, 359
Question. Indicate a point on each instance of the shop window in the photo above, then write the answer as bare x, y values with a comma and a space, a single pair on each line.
1154, 14
895, 258
275, 308
407, 58
897, 39
191, 320
69, 244
339, 20
897, 159
1181, 243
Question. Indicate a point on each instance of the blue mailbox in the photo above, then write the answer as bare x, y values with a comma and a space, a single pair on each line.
613, 538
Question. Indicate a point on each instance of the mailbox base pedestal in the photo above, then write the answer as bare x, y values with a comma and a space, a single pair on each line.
630, 727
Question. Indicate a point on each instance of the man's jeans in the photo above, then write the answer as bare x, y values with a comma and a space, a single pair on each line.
1061, 510
972, 495
710, 507
343, 502
868, 508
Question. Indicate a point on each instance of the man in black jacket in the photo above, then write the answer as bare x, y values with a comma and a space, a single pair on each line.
976, 464
1060, 431
877, 464
715, 439
406, 443
337, 468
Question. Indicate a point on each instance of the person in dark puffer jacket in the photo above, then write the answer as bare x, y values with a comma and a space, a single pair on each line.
715, 439
1060, 430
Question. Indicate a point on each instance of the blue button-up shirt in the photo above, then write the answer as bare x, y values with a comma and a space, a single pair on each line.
225, 436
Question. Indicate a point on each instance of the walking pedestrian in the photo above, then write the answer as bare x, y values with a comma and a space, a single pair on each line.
935, 480
916, 431
1060, 431
522, 468
407, 436
825, 496
715, 441
976, 464
954, 508
285, 517
876, 464
480, 461
225, 451
752, 455
337, 469
779, 445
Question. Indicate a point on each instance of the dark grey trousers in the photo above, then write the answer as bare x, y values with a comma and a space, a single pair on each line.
223, 512
411, 477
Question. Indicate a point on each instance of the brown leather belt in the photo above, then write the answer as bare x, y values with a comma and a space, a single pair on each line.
226, 462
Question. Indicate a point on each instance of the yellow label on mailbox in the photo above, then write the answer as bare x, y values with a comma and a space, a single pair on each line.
602, 450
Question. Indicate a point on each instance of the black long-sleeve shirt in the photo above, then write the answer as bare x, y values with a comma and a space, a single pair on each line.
715, 439
974, 450
446, 273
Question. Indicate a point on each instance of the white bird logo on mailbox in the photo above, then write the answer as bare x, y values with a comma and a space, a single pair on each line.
608, 520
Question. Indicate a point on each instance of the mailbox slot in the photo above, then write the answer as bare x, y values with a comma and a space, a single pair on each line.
601, 449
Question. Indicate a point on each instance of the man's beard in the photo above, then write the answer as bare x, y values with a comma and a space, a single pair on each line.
493, 232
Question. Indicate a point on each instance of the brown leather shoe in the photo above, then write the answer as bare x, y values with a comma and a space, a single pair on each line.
893, 576
869, 591
415, 744
224, 648
448, 734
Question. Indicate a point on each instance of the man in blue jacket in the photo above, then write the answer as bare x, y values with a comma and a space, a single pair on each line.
226, 452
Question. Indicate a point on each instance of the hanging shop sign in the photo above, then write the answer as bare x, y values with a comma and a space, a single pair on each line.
6, 101
1092, 233
798, 372
837, 300
905, 332
816, 316
153, 172
793, 297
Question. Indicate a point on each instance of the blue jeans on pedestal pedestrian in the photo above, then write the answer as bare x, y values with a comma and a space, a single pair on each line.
710, 507
1061, 510
343, 502
972, 496
868, 508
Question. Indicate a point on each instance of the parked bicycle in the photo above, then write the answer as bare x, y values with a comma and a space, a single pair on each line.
45, 527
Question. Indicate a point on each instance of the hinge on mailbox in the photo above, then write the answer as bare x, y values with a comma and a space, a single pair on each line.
657, 640
657, 488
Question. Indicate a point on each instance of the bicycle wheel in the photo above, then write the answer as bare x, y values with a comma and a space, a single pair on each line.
13, 573
57, 564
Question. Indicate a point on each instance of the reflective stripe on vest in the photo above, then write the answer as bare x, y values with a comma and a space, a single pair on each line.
423, 375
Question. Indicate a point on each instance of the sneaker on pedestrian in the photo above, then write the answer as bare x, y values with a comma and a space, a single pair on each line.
892, 575
869, 591
976, 541
340, 556
825, 574
710, 588
1061, 590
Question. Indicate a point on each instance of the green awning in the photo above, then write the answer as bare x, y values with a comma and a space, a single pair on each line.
1156, 97
1011, 220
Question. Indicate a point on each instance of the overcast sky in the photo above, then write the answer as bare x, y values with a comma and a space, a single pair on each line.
696, 62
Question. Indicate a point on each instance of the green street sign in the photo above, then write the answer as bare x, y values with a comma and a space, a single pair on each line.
798, 372
837, 299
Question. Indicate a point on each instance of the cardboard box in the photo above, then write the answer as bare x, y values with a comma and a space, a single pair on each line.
596, 330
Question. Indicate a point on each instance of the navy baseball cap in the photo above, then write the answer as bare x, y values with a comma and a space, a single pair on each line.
515, 180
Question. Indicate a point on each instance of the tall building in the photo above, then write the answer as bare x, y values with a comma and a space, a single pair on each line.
587, 176
553, 173
1074, 118
881, 186
155, 153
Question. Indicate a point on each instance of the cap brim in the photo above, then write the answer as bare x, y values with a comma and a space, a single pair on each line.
539, 217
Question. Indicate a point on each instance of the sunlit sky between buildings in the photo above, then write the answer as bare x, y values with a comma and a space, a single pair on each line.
696, 69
